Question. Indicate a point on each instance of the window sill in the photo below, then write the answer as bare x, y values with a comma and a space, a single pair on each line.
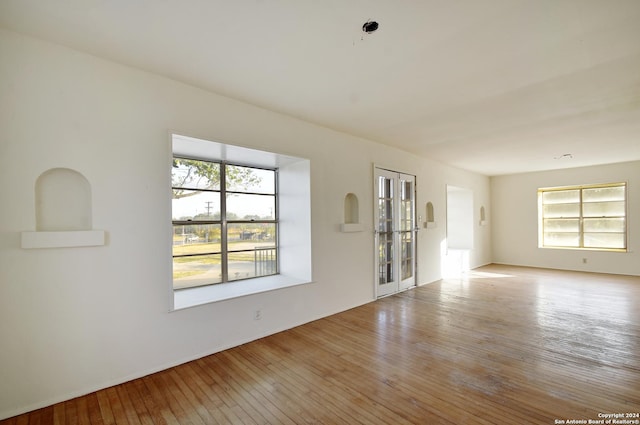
186, 298
575, 248
351, 227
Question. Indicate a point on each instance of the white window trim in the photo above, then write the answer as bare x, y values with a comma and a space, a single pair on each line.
294, 220
541, 240
191, 297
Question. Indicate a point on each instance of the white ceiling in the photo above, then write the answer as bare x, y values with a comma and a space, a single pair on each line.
492, 86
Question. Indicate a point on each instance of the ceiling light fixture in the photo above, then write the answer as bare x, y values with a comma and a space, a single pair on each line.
370, 26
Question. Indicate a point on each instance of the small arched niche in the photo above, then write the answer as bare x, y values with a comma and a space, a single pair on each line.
63, 201
431, 220
351, 214
63, 212
483, 216
351, 209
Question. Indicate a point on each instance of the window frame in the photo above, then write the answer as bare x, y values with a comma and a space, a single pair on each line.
294, 228
581, 217
225, 223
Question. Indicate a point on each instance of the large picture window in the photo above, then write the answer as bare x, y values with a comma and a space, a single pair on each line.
583, 217
225, 222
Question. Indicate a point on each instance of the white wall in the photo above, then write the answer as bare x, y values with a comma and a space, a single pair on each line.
73, 320
515, 220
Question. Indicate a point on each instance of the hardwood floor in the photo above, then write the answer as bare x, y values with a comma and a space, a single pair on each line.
504, 345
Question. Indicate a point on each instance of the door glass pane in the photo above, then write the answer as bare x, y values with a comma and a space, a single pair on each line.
406, 205
385, 188
385, 258
406, 255
386, 255
406, 227
385, 204
385, 219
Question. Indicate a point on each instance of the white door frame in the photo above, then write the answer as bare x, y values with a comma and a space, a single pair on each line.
395, 231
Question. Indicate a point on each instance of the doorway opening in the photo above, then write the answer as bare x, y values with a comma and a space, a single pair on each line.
459, 242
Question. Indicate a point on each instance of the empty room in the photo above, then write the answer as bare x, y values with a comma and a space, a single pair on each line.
288, 212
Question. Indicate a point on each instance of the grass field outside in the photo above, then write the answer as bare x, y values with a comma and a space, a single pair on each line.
201, 267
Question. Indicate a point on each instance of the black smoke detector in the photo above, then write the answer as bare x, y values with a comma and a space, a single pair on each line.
370, 26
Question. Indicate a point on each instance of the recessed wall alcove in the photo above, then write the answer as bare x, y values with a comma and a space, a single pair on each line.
351, 214
63, 212
483, 216
431, 221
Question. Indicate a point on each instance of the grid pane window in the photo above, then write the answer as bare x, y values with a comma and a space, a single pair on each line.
611, 225
196, 239
603, 240
602, 194
262, 206
561, 197
567, 239
225, 222
592, 217
386, 254
197, 270
193, 174
562, 225
196, 205
252, 180
603, 209
561, 210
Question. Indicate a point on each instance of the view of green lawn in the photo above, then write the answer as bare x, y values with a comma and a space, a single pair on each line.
190, 270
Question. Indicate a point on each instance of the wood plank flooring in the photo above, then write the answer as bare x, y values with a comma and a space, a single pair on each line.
504, 345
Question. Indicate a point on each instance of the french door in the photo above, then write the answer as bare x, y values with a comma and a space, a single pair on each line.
395, 231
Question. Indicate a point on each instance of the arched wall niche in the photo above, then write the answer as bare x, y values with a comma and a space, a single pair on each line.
431, 220
483, 216
63, 201
63, 212
351, 209
351, 214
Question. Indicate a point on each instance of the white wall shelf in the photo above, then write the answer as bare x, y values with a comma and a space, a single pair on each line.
65, 239
351, 227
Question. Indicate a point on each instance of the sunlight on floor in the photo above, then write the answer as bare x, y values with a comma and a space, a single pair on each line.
485, 275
